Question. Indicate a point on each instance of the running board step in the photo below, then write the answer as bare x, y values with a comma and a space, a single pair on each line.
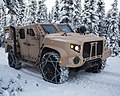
32, 64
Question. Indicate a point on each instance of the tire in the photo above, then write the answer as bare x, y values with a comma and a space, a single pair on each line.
96, 68
13, 61
103, 64
51, 70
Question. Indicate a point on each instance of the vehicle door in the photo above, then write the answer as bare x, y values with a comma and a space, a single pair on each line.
22, 39
33, 44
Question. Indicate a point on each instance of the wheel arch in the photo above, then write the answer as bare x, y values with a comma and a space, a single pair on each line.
60, 51
9, 47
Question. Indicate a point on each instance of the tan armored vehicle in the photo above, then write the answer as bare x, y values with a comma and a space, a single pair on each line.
54, 48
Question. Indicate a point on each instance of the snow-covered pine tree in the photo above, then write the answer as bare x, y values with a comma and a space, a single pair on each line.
107, 23
12, 6
51, 14
32, 12
13, 10
12, 21
119, 33
50, 17
85, 13
101, 17
1, 13
119, 27
77, 14
113, 28
89, 16
66, 11
1, 26
56, 11
2, 21
21, 15
4, 16
42, 11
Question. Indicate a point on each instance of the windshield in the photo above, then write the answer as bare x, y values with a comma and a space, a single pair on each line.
49, 28
65, 28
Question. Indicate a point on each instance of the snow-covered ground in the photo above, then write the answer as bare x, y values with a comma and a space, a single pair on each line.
29, 82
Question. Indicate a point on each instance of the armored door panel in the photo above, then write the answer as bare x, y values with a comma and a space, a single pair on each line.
33, 46
23, 44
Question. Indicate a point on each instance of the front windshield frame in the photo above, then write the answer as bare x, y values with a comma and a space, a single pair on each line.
65, 28
49, 28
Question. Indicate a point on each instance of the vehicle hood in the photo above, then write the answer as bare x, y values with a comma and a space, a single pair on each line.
72, 37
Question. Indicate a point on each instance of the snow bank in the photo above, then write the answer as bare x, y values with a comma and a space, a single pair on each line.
28, 81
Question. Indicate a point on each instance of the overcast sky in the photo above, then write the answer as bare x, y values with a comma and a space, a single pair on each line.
50, 3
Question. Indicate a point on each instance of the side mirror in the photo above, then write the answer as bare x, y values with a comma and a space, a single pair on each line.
81, 30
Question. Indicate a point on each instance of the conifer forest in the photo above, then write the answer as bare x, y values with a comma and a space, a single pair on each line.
92, 15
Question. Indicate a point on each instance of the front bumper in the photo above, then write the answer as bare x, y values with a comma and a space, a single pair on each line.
77, 61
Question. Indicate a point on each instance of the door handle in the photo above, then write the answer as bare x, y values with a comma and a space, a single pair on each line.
25, 43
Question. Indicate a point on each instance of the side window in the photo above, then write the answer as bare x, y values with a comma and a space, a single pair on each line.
30, 32
22, 33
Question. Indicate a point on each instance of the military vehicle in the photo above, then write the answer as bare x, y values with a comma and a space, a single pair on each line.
54, 49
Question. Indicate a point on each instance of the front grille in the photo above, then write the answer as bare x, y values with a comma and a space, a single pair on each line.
93, 48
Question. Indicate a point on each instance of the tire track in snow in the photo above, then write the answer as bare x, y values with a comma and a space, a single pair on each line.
111, 74
105, 77
104, 83
31, 72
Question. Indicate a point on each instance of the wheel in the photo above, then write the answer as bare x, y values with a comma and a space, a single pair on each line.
17, 64
96, 68
51, 70
13, 61
103, 64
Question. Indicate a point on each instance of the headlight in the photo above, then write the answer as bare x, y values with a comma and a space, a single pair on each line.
75, 47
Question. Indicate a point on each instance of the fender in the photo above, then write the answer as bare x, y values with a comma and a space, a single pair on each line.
107, 53
61, 51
